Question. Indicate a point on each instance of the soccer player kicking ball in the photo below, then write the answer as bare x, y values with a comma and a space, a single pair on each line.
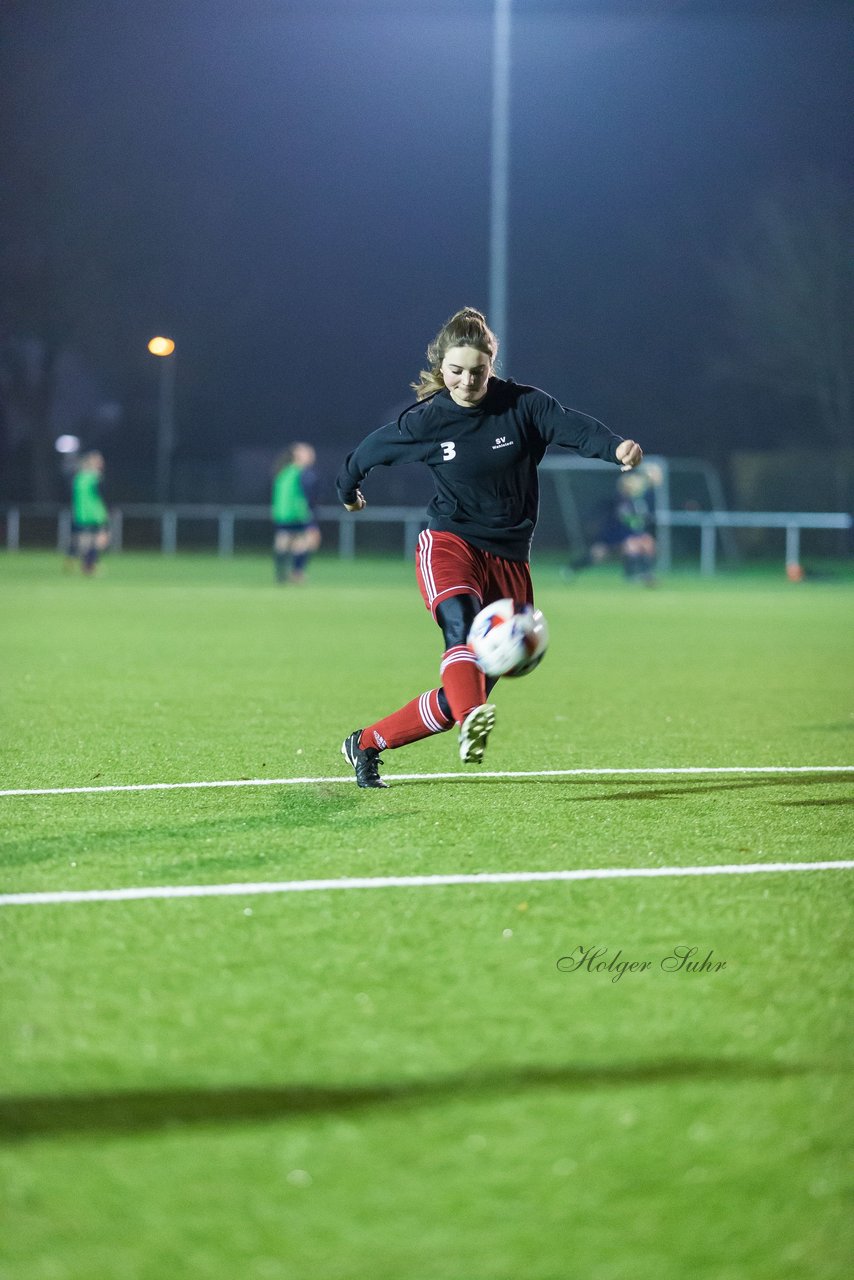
483, 438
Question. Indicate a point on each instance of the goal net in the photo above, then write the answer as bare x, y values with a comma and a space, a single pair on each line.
578, 493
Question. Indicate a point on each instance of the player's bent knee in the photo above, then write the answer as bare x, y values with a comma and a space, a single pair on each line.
455, 616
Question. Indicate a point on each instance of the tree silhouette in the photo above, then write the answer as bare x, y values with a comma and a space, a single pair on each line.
787, 281
34, 327
43, 291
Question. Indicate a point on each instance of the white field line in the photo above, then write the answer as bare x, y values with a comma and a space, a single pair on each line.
438, 777
407, 882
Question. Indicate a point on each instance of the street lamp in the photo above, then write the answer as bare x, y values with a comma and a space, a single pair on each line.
165, 349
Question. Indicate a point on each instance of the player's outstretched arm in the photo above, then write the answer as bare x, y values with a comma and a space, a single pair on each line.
358, 503
629, 454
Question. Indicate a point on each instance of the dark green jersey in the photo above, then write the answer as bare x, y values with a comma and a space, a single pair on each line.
87, 505
290, 504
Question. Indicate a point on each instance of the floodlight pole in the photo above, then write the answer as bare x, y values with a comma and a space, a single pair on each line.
499, 192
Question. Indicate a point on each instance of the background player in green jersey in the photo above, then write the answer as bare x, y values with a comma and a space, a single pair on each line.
90, 521
296, 533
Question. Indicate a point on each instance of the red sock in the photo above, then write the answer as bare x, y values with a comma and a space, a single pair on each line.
463, 681
418, 719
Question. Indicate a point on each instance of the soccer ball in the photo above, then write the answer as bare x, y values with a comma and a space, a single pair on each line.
508, 638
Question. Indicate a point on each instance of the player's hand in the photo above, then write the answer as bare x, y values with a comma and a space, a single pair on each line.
358, 503
629, 454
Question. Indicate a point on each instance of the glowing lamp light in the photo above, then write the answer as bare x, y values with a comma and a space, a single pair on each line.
161, 346
67, 444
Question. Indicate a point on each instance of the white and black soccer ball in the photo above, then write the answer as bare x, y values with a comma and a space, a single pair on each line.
509, 638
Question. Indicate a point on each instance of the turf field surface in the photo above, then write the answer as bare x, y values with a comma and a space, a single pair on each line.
422, 1081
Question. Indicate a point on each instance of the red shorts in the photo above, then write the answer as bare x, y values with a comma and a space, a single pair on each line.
446, 566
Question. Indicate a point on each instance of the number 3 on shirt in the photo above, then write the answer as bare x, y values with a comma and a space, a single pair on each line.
449, 450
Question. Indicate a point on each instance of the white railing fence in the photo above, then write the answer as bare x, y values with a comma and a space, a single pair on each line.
711, 523
171, 517
411, 520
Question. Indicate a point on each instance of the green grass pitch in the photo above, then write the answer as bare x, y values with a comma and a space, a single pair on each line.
403, 1083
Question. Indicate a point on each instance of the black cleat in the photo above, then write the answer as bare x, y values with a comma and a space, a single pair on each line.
364, 761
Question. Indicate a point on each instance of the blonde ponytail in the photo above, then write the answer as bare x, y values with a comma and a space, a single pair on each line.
467, 328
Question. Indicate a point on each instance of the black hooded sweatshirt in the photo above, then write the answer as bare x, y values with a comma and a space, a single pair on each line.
484, 460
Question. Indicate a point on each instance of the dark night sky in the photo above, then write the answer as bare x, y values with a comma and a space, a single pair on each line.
298, 193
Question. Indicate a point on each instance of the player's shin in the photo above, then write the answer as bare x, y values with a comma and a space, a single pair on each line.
463, 681
420, 718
